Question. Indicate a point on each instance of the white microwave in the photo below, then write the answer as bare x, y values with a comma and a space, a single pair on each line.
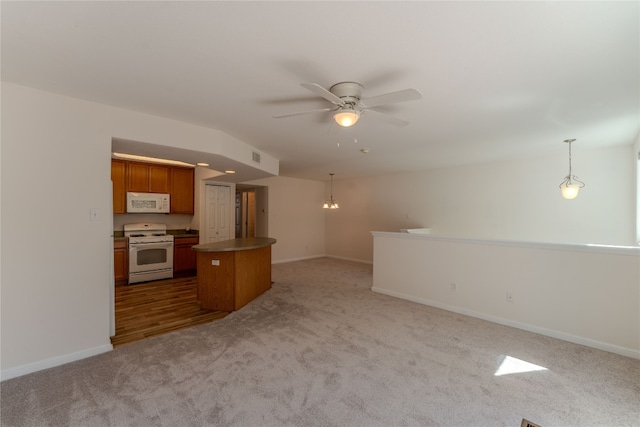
148, 203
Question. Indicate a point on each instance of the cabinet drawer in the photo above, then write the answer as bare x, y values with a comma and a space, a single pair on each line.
184, 241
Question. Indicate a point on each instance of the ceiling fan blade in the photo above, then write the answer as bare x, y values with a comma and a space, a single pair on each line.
302, 112
392, 98
319, 90
387, 118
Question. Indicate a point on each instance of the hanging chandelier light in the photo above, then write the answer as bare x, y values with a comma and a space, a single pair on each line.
571, 185
331, 204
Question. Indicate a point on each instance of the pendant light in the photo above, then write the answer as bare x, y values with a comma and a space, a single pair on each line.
331, 204
570, 186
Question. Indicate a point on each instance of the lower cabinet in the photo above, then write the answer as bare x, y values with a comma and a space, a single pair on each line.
120, 262
184, 259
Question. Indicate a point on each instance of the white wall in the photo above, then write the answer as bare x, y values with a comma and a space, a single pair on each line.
55, 261
586, 295
511, 200
295, 217
173, 222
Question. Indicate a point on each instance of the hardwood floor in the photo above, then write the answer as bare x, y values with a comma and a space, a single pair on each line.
148, 309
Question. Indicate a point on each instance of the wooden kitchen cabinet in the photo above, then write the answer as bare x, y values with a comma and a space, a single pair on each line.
120, 262
232, 273
182, 190
138, 177
118, 179
147, 178
158, 179
185, 260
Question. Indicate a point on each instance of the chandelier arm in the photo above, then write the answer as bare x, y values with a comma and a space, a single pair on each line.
575, 178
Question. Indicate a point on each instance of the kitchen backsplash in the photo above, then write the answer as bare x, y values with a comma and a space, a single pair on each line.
173, 222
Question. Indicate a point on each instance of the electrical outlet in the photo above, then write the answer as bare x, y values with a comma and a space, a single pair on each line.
509, 297
454, 287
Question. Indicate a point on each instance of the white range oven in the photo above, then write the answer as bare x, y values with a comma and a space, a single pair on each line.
150, 252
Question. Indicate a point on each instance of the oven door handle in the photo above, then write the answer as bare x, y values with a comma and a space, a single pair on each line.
148, 244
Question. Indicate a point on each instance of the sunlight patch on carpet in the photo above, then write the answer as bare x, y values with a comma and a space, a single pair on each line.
512, 365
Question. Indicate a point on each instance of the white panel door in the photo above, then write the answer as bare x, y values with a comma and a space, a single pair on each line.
217, 225
224, 224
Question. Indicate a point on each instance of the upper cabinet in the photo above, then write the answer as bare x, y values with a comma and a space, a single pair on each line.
152, 178
118, 177
159, 179
147, 178
181, 191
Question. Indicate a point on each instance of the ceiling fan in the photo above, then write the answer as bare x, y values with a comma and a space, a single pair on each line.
348, 104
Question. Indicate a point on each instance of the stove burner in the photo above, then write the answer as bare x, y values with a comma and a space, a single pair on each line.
136, 235
159, 234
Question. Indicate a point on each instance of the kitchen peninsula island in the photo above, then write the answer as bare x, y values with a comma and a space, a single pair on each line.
232, 273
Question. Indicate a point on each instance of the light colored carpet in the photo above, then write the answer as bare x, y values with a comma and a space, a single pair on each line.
321, 349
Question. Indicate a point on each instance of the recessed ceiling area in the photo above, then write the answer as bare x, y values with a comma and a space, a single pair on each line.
499, 80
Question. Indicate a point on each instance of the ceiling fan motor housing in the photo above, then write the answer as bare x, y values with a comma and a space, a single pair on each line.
349, 92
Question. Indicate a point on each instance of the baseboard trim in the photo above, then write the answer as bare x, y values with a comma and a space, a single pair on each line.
29, 368
518, 325
282, 261
350, 259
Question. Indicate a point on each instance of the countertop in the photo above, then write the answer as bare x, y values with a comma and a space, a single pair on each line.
243, 244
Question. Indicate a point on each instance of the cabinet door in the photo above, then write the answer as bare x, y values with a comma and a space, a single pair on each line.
118, 174
184, 259
121, 262
137, 177
181, 191
158, 179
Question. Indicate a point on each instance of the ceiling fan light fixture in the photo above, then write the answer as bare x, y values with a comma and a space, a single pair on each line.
346, 117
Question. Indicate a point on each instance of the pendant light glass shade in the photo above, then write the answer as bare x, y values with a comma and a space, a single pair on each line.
331, 204
346, 117
570, 191
570, 186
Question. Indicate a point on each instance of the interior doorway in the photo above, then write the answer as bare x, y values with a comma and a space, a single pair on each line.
245, 213
251, 219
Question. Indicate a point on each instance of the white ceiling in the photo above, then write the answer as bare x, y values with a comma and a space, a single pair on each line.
500, 80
